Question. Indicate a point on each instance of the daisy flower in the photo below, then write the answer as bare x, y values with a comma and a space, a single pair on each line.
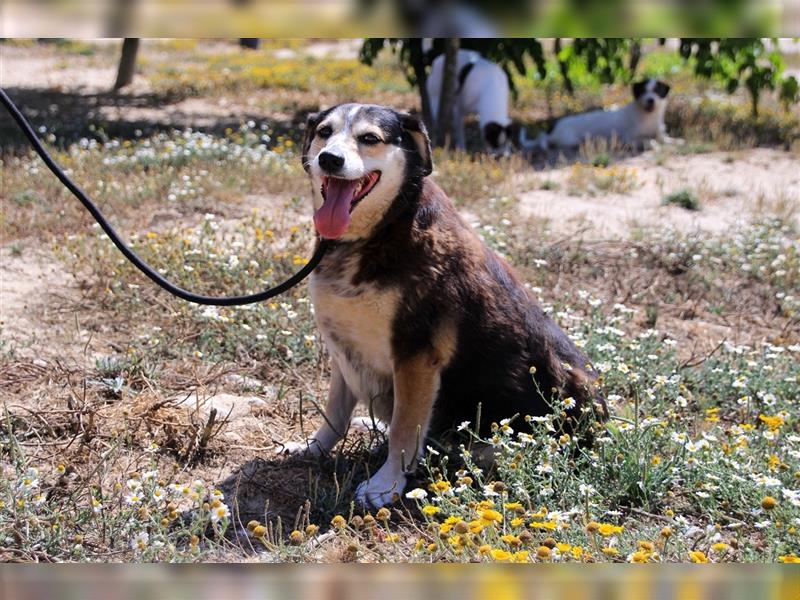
417, 494
220, 513
140, 540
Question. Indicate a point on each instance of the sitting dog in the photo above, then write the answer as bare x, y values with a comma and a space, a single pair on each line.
422, 321
633, 124
482, 89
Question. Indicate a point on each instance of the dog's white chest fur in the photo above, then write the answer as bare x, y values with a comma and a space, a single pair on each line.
356, 324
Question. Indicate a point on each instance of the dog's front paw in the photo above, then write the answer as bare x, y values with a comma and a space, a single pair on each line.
381, 489
309, 448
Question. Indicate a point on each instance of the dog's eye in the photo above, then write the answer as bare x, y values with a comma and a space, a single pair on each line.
370, 139
324, 132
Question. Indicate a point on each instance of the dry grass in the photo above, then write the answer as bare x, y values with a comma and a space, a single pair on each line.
115, 390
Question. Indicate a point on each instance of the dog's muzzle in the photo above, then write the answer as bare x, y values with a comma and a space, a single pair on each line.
330, 162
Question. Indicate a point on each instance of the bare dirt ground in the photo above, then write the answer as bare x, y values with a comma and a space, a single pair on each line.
733, 188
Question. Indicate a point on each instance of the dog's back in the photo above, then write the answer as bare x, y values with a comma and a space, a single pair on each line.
641, 119
448, 274
575, 129
482, 88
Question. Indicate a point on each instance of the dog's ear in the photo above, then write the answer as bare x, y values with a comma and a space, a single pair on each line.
639, 88
311, 131
416, 129
662, 89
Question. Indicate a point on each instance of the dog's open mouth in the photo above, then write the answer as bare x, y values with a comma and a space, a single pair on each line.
340, 197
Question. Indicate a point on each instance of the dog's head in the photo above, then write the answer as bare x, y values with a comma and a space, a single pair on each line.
358, 157
498, 138
650, 94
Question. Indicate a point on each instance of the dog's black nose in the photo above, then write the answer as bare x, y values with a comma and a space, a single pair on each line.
330, 162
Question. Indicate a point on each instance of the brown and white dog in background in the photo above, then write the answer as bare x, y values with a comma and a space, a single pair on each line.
423, 322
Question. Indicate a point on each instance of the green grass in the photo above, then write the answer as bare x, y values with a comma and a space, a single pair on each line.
685, 199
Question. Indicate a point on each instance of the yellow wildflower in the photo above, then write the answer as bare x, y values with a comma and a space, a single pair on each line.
563, 547
500, 555
440, 486
520, 557
511, 540
475, 526
790, 559
259, 531
768, 503
606, 529
773, 422
647, 546
696, 556
490, 516
546, 525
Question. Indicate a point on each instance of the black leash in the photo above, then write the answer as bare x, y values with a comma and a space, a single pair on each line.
23, 123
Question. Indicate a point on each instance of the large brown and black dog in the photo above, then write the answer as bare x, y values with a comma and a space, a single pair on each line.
423, 322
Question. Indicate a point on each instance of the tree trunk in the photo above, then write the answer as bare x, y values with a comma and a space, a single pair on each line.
563, 68
449, 82
127, 63
635, 56
417, 60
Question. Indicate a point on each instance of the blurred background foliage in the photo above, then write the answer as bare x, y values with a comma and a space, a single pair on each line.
753, 63
355, 18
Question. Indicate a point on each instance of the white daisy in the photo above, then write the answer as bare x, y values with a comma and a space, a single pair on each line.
417, 494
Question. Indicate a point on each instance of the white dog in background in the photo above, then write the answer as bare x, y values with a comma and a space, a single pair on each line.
633, 124
482, 89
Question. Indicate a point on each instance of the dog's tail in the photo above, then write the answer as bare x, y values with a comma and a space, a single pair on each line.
528, 145
542, 142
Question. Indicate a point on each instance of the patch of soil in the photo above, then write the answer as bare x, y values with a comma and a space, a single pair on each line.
33, 288
732, 189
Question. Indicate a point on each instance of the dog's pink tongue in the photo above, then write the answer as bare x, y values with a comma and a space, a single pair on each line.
333, 217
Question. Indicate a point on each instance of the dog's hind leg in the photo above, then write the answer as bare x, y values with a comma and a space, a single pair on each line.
338, 410
459, 135
416, 384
